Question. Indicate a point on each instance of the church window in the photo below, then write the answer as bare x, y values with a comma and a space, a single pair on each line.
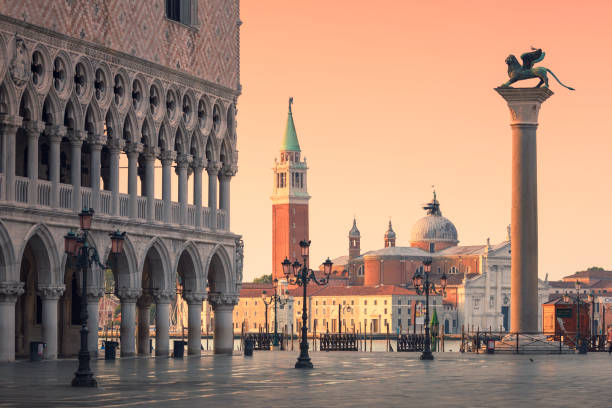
453, 269
182, 11
432, 247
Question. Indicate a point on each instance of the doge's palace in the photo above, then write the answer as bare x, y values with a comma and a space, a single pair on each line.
97, 100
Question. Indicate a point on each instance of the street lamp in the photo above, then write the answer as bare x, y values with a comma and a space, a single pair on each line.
278, 300
77, 248
427, 287
577, 300
341, 308
299, 274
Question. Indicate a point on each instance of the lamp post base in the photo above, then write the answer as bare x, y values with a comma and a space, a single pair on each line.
427, 355
84, 379
303, 362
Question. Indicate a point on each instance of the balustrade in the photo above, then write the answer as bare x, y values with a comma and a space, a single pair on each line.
205, 217
22, 186
65, 196
142, 207
159, 210
86, 197
105, 202
44, 193
176, 213
191, 213
221, 219
123, 205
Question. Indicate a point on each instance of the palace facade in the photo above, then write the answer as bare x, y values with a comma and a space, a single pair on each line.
100, 104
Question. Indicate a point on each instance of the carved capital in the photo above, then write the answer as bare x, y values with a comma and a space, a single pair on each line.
96, 141
222, 299
213, 168
167, 157
128, 295
524, 103
145, 300
116, 145
33, 128
94, 293
193, 298
9, 123
163, 296
51, 292
199, 164
229, 171
183, 160
133, 149
76, 137
150, 153
10, 291
55, 133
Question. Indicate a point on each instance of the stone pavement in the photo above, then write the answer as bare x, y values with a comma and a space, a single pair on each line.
338, 380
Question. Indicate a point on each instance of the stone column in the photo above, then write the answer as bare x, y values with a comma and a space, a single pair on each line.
167, 159
182, 166
223, 306
55, 134
144, 310
33, 130
224, 194
93, 300
162, 322
128, 316
76, 141
50, 295
213, 172
9, 292
133, 150
8, 127
194, 304
95, 145
150, 154
524, 104
198, 165
115, 146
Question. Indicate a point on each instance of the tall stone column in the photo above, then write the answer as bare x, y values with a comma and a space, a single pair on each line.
182, 166
144, 310
198, 165
114, 147
93, 300
76, 141
213, 173
223, 306
133, 150
162, 322
167, 159
95, 145
50, 295
9, 292
8, 127
128, 317
33, 130
194, 310
150, 154
225, 177
55, 135
524, 104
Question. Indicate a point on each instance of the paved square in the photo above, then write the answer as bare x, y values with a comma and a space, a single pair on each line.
338, 380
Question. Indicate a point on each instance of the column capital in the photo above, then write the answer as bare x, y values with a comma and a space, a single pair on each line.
183, 160
193, 298
52, 292
133, 148
229, 171
94, 293
524, 103
145, 300
76, 137
55, 133
33, 127
217, 299
10, 291
163, 296
150, 153
115, 145
96, 141
198, 164
213, 168
167, 157
10, 122
128, 295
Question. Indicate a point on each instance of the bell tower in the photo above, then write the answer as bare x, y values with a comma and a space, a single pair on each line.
289, 200
354, 241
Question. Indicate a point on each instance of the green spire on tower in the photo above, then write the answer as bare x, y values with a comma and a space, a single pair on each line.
290, 141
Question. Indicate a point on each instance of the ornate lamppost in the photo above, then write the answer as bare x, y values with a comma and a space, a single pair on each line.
78, 248
581, 346
427, 287
341, 308
299, 274
278, 301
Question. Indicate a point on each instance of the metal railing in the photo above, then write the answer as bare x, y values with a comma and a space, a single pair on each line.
338, 342
410, 342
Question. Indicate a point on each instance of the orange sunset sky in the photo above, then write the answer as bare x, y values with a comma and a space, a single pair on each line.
394, 96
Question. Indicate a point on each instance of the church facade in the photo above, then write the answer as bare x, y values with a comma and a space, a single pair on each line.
100, 104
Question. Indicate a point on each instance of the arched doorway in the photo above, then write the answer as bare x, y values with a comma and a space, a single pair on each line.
155, 288
222, 303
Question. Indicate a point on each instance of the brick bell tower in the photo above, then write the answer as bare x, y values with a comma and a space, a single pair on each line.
289, 200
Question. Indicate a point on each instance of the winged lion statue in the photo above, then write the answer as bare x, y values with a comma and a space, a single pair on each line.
518, 72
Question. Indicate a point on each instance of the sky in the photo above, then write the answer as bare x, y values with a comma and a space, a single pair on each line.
392, 97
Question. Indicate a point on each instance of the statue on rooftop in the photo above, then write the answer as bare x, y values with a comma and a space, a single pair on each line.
518, 72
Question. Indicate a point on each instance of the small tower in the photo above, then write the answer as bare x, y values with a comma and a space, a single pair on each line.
354, 241
289, 200
390, 237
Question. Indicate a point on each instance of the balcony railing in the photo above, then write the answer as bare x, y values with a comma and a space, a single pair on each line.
44, 190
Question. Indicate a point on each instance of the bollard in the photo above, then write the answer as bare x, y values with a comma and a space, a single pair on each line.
248, 347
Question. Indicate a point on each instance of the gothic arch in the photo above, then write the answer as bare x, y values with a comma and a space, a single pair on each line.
52, 110
93, 119
7, 256
73, 116
29, 108
194, 280
8, 99
130, 126
219, 277
125, 268
45, 247
114, 130
160, 275
210, 151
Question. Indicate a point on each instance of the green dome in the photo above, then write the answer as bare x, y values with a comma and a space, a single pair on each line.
290, 141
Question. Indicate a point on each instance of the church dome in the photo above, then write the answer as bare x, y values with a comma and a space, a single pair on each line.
433, 227
354, 232
390, 233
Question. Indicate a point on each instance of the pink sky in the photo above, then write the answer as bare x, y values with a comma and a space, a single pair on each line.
394, 96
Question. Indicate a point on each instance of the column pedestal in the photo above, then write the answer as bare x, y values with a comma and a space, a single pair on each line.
128, 317
9, 292
223, 306
50, 295
162, 322
524, 104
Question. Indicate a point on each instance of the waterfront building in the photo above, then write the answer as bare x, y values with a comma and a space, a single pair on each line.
87, 89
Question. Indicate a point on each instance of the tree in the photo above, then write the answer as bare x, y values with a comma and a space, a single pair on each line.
595, 268
263, 279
